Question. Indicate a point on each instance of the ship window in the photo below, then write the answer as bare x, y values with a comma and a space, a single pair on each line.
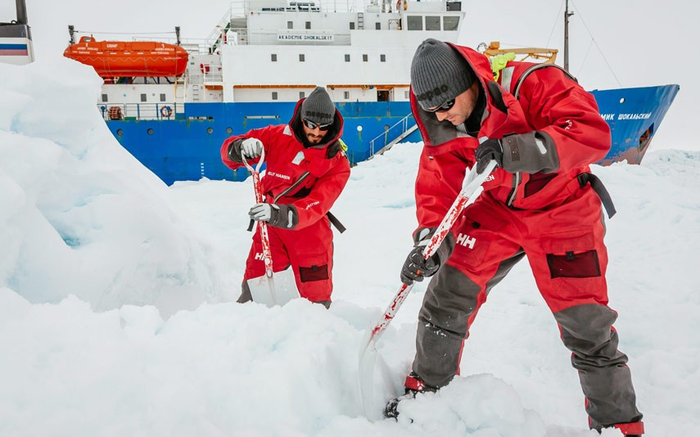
415, 22
210, 130
382, 58
149, 131
352, 25
162, 97
290, 25
274, 95
302, 58
450, 23
229, 130
308, 24
432, 23
143, 97
104, 97
347, 58
302, 94
365, 58
378, 26
273, 57
346, 95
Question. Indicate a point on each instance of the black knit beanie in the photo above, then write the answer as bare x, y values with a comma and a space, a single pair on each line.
318, 107
439, 73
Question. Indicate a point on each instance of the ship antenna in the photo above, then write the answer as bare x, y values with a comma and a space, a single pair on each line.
567, 14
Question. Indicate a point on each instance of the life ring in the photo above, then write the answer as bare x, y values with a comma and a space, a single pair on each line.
166, 111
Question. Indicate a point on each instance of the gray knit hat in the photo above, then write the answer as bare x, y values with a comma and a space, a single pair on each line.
318, 107
439, 73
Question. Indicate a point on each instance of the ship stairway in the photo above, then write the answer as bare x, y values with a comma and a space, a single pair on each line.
393, 135
217, 35
360, 20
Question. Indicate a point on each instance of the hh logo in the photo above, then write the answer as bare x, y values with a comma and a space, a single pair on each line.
466, 240
259, 256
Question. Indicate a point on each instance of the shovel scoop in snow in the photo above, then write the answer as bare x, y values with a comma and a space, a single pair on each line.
277, 289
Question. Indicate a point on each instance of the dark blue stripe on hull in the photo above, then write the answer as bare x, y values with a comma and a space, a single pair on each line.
188, 148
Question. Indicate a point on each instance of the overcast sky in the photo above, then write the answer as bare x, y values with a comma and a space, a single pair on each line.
616, 43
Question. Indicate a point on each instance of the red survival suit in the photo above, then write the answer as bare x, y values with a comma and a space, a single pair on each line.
546, 211
310, 179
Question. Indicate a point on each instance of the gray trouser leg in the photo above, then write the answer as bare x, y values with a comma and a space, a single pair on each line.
449, 302
245, 293
606, 381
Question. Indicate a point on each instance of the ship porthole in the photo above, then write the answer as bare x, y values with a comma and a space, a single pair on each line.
210, 130
622, 100
119, 132
149, 131
229, 130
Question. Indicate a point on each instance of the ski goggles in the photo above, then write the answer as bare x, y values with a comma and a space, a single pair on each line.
311, 125
442, 108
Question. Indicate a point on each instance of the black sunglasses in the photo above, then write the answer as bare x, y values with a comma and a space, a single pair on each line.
442, 108
311, 125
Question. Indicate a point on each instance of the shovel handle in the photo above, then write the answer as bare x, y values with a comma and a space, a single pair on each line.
472, 189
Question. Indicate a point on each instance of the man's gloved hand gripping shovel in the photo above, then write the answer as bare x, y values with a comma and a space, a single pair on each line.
471, 189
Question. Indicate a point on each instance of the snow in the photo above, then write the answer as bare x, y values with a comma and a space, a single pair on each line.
118, 313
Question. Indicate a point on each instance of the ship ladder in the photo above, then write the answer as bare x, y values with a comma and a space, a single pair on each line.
398, 132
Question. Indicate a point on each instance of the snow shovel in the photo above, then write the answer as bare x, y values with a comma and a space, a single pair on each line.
471, 190
272, 288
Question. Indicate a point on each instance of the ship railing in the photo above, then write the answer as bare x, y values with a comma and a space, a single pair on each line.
138, 111
391, 135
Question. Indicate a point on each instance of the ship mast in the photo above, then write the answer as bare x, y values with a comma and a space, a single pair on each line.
21, 12
567, 14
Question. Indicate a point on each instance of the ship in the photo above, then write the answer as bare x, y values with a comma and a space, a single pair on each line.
265, 55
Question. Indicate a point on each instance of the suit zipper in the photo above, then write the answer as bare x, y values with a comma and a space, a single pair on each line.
293, 186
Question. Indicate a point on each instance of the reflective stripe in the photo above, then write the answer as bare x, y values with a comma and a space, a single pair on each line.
507, 77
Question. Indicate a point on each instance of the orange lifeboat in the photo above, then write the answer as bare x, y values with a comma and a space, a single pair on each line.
129, 58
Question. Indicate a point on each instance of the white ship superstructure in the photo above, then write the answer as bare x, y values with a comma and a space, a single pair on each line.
274, 50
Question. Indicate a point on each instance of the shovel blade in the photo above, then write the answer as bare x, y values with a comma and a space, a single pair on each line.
276, 290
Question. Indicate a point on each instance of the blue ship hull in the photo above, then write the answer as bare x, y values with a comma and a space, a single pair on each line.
187, 148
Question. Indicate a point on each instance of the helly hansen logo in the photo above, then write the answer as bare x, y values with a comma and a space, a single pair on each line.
466, 241
259, 256
279, 175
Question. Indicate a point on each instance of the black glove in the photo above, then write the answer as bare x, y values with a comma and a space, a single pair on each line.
416, 267
488, 150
